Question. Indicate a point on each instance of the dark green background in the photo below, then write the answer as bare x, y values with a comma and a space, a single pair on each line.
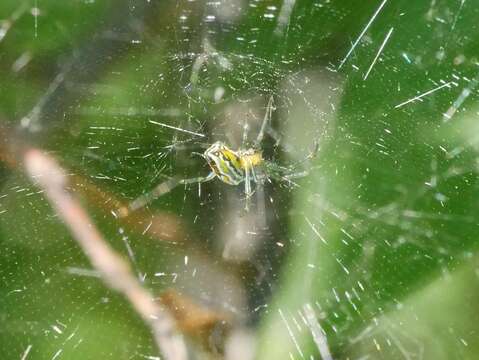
398, 275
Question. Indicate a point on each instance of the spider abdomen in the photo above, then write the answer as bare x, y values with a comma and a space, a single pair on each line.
231, 166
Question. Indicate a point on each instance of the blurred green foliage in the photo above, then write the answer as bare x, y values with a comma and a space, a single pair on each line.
393, 192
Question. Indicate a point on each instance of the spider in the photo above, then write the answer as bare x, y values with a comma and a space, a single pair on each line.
232, 167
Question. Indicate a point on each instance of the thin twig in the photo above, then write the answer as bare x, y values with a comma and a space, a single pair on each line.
51, 178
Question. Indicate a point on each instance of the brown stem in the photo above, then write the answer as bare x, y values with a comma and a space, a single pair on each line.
51, 178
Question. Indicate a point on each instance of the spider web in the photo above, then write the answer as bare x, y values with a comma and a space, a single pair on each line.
357, 259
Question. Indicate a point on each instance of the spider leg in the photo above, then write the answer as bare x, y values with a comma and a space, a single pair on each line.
289, 173
253, 174
200, 179
161, 189
293, 169
247, 187
245, 134
266, 119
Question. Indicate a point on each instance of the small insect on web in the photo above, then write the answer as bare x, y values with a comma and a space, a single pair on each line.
232, 167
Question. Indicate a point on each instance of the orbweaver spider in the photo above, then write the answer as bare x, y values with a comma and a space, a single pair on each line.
232, 167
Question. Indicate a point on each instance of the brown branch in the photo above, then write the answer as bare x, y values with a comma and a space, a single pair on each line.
158, 225
51, 178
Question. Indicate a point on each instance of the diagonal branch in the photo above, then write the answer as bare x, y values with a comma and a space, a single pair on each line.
51, 178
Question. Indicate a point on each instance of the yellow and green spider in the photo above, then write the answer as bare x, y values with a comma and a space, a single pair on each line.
232, 167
